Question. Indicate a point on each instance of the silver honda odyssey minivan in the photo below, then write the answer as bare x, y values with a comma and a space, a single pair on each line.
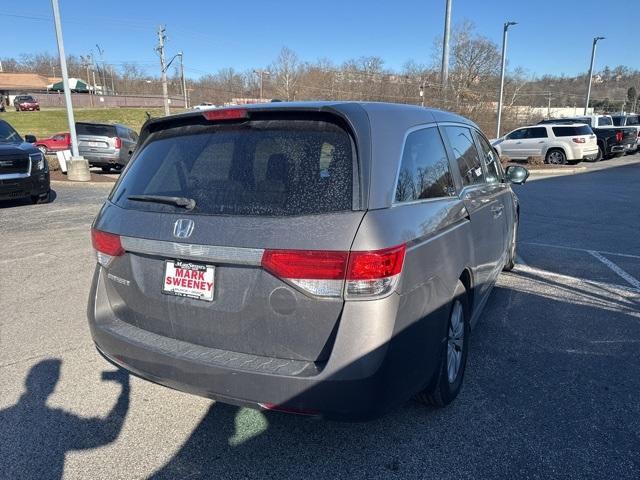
324, 259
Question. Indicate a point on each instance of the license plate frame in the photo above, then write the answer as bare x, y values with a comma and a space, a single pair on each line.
189, 279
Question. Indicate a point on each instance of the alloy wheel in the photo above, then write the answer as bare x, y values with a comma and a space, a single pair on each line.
455, 342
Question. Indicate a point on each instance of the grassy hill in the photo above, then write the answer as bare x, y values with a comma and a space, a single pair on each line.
48, 122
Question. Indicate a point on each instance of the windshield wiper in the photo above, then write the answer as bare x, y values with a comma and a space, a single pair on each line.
188, 203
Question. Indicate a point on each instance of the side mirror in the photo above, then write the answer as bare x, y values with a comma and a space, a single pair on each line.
30, 138
517, 174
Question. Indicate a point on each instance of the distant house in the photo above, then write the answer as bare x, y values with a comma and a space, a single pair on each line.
14, 83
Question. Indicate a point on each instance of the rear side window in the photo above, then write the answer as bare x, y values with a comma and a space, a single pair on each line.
465, 154
536, 132
424, 171
96, 130
572, 131
263, 168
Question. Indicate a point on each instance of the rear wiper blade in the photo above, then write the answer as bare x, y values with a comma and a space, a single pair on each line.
188, 203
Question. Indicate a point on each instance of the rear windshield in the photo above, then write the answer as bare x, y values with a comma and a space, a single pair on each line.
572, 131
618, 121
261, 168
26, 98
97, 130
604, 121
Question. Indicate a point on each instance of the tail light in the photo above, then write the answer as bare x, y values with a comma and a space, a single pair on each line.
106, 245
354, 275
579, 140
118, 141
226, 114
619, 136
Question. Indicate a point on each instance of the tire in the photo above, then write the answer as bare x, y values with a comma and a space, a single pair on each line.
511, 255
448, 382
37, 199
106, 169
555, 156
600, 155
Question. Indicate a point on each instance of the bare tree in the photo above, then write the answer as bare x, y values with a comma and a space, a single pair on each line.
286, 71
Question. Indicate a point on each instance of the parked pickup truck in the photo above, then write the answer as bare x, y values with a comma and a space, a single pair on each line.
55, 143
612, 141
628, 121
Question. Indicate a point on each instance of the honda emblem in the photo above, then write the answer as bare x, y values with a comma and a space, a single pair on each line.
183, 228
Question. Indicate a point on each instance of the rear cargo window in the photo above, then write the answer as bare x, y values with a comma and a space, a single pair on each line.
97, 130
572, 131
262, 168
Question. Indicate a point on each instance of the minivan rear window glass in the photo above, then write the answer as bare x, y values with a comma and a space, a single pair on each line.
572, 131
262, 168
466, 154
424, 171
96, 130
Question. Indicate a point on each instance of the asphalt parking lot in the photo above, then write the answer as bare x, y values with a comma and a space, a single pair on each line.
552, 387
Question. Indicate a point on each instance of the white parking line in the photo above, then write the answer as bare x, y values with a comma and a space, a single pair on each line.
563, 247
634, 282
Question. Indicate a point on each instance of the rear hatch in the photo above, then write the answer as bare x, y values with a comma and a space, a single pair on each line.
581, 135
98, 138
275, 183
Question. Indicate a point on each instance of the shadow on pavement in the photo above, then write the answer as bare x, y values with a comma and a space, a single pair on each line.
23, 202
549, 391
35, 437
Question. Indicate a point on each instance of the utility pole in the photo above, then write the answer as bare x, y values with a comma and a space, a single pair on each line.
593, 56
163, 69
261, 73
113, 89
86, 63
549, 104
505, 35
78, 168
421, 94
184, 80
444, 71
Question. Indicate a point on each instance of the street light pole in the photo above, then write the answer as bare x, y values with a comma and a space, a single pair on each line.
444, 70
261, 73
78, 168
593, 56
505, 36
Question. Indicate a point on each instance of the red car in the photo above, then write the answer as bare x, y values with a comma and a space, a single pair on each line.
25, 103
55, 143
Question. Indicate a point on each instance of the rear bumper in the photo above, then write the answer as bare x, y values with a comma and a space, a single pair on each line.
370, 370
34, 185
102, 159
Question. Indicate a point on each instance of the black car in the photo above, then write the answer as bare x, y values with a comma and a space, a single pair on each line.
24, 171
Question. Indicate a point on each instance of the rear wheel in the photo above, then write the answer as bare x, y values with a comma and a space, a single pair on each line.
599, 156
453, 356
106, 169
556, 157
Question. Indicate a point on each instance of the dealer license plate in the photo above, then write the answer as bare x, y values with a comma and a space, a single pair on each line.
189, 279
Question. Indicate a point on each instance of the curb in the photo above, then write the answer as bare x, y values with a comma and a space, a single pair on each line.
69, 182
558, 171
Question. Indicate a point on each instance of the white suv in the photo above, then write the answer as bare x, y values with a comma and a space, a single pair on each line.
558, 144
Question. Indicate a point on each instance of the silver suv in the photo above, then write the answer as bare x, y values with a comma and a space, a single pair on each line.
318, 258
105, 145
